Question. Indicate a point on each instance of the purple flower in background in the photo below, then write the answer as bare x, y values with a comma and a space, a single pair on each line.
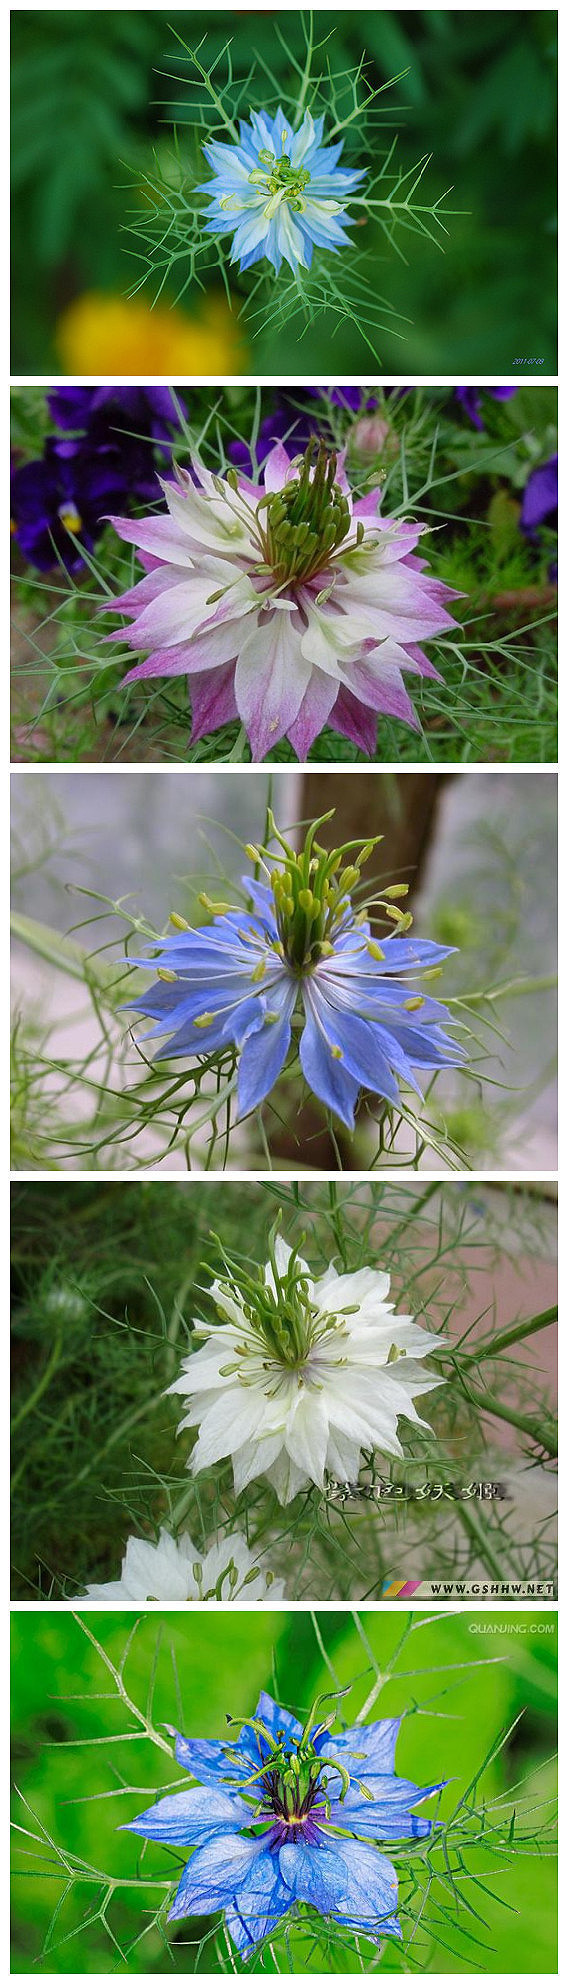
294, 423
284, 1813
59, 503
286, 423
132, 410
105, 455
540, 497
302, 952
470, 397
285, 602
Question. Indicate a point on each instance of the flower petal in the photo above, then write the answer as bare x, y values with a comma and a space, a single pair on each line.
185, 1816
214, 1874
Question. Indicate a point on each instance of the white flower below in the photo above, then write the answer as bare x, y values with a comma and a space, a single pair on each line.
173, 1570
301, 1377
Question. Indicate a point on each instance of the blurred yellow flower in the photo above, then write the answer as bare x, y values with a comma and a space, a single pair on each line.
121, 335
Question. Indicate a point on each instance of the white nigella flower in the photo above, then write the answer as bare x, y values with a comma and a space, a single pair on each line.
301, 1376
171, 1569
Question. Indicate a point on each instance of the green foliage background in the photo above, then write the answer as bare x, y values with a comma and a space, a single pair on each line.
479, 95
458, 1690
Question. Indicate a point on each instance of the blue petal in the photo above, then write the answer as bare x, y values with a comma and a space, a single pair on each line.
206, 1759
327, 1075
229, 1029
263, 902
370, 1896
365, 1747
388, 1816
315, 1874
214, 1874
276, 1718
360, 1050
400, 953
262, 1900
427, 1049
186, 1816
264, 1051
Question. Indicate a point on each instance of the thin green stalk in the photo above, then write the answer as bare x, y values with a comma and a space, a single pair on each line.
515, 1334
470, 1521
42, 1384
542, 1432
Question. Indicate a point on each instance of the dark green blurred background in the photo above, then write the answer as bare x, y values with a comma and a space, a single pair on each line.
479, 95
222, 1660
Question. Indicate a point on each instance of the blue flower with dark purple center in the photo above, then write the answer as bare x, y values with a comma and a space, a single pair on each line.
303, 956
287, 1813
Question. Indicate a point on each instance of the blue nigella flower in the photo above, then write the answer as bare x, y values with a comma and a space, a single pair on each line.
286, 1814
239, 981
280, 192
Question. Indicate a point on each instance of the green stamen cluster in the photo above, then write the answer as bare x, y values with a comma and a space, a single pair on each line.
311, 892
293, 1775
307, 520
281, 1316
283, 181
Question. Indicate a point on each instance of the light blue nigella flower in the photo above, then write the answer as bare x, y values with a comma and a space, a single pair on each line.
288, 1814
280, 192
303, 951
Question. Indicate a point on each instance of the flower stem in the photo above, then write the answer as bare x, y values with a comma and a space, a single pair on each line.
541, 1432
42, 1384
515, 1334
477, 1533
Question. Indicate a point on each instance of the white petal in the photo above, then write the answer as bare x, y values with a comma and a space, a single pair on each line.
255, 1458
228, 1424
347, 1289
306, 1437
287, 1479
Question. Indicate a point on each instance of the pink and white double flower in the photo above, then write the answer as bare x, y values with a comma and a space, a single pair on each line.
283, 640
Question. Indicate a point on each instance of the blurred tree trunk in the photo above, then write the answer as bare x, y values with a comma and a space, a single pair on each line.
400, 805
403, 807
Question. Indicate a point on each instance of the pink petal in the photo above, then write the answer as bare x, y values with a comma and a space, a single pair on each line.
367, 506
382, 690
148, 560
353, 719
277, 468
313, 712
270, 682
165, 661
212, 700
423, 663
155, 582
179, 610
158, 535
